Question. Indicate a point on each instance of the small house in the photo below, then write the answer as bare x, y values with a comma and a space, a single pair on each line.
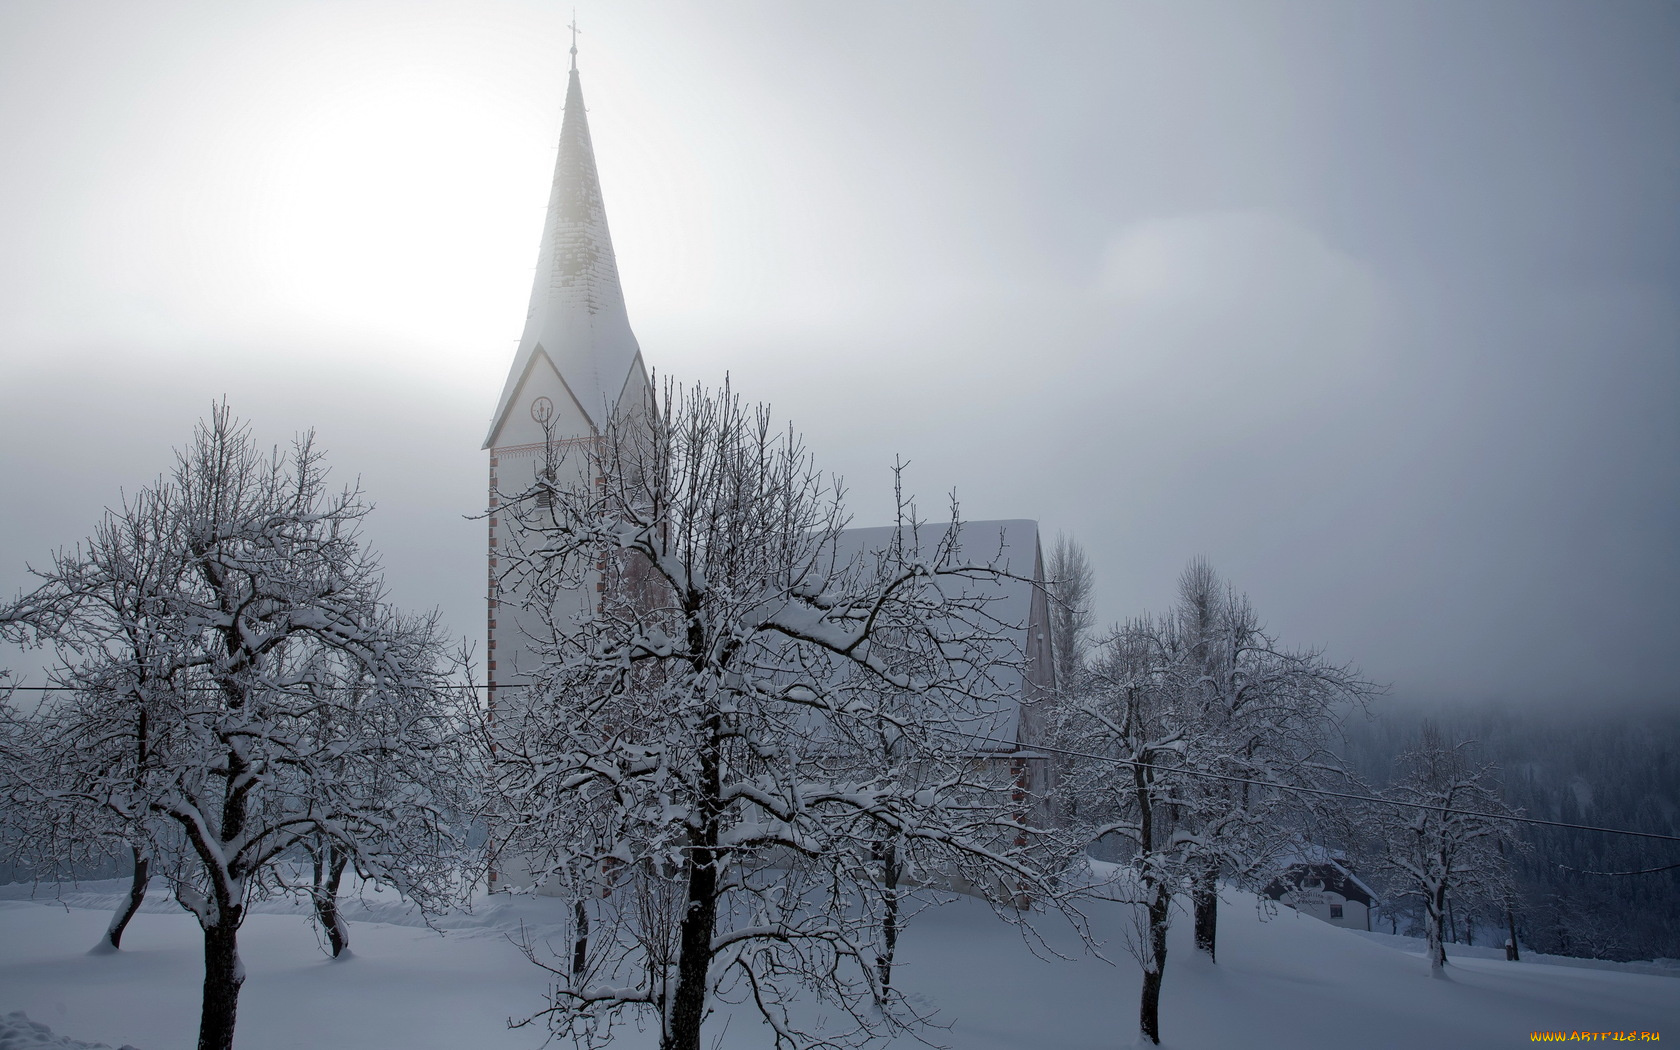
1325, 888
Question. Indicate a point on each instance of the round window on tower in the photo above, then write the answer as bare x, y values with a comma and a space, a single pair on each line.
542, 410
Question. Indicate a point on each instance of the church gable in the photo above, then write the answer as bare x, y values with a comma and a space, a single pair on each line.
519, 420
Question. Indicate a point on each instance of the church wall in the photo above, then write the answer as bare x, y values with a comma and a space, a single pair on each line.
574, 357
1037, 689
517, 455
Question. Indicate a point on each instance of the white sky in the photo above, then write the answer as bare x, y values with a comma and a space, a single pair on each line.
1373, 305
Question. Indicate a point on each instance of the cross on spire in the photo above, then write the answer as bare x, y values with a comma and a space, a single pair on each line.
576, 321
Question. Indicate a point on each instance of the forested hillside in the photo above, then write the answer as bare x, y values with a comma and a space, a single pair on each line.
1607, 768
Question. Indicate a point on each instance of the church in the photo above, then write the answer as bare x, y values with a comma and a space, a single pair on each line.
578, 363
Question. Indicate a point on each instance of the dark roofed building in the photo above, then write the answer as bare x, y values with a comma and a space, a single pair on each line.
1327, 889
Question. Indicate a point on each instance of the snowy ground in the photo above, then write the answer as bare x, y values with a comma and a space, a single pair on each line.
1281, 982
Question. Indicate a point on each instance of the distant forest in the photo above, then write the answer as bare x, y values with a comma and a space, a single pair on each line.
1594, 765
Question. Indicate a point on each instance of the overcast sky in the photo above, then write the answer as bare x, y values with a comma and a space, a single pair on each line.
1374, 305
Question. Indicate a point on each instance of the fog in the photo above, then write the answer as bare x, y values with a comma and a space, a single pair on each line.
1373, 305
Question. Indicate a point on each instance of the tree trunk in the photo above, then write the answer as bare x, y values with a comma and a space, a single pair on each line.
694, 955
1149, 1006
580, 939
1205, 895
1149, 1009
330, 860
142, 858
1510, 915
889, 921
699, 920
1436, 918
1154, 955
136, 895
223, 974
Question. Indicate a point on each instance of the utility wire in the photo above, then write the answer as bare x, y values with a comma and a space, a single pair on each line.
1641, 871
1349, 795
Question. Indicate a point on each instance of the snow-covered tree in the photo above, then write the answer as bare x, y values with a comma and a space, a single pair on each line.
751, 738
1258, 714
238, 689
1127, 723
365, 727
104, 606
1072, 616
1188, 731
1446, 836
17, 818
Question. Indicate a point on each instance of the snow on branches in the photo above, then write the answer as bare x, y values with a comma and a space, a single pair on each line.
1446, 836
749, 737
1191, 728
237, 690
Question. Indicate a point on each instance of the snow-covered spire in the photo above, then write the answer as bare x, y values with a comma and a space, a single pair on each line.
577, 315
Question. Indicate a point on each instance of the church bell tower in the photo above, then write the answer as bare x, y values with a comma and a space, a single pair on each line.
577, 363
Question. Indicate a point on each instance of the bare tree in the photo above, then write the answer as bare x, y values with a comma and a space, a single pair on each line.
1126, 718
103, 606
1447, 836
689, 764
1191, 729
239, 689
366, 726
1072, 586
1262, 715
17, 774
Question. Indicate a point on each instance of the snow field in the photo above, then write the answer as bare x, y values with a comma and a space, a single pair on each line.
1283, 982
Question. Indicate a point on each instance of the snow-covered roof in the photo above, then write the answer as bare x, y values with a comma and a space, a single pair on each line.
1326, 866
577, 316
1011, 545
1355, 880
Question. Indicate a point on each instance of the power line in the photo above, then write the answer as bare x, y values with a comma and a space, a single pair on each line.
1357, 798
1641, 871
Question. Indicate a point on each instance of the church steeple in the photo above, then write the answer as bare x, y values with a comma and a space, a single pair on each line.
577, 318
